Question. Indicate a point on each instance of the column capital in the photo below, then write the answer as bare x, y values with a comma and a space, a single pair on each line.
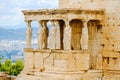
85, 21
44, 21
40, 21
52, 20
28, 21
67, 22
52, 23
57, 22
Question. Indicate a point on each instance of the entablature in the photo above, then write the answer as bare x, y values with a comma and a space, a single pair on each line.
63, 14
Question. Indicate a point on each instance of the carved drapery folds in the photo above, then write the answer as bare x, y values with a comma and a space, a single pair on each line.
57, 24
63, 34
42, 35
28, 34
84, 36
46, 34
54, 35
67, 37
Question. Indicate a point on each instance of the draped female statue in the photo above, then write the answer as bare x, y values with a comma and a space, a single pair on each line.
40, 36
84, 37
67, 37
28, 35
52, 36
58, 42
45, 37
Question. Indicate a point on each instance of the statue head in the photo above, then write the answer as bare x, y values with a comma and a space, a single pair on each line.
53, 23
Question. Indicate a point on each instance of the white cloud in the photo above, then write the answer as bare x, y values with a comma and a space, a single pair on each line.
1, 7
41, 1
10, 11
14, 18
9, 20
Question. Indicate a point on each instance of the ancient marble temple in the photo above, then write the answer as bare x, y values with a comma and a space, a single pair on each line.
83, 42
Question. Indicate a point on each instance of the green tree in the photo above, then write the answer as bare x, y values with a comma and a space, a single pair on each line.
13, 69
0, 61
6, 66
0, 57
8, 63
16, 68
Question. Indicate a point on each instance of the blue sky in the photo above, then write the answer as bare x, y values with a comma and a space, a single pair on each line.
11, 15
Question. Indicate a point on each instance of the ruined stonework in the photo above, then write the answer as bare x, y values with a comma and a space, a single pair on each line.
83, 42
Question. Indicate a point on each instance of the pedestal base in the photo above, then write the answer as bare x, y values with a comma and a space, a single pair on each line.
78, 75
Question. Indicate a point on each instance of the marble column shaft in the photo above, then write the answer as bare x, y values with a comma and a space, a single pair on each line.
52, 36
84, 36
28, 34
67, 36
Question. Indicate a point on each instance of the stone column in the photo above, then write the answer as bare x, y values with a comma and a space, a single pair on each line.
67, 36
84, 36
28, 34
57, 35
45, 38
52, 36
41, 35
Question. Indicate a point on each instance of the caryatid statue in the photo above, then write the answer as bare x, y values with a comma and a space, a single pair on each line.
67, 37
28, 34
84, 36
52, 36
58, 45
41, 35
45, 37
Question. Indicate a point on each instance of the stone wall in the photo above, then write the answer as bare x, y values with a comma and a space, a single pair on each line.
81, 4
110, 32
108, 43
59, 65
90, 4
57, 60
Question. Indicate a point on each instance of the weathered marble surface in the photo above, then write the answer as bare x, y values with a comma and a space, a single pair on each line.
28, 35
97, 54
67, 38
